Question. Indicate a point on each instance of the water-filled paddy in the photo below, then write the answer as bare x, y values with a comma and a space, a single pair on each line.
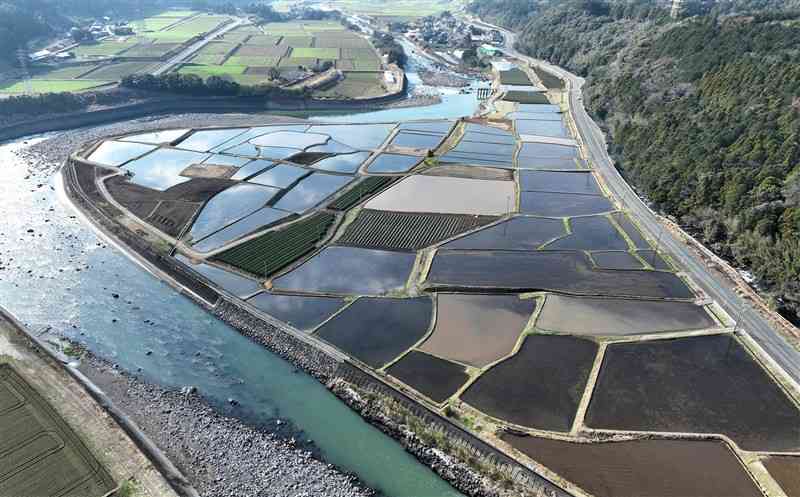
291, 139
654, 259
590, 233
563, 204
442, 127
156, 137
280, 176
492, 150
786, 471
376, 330
554, 181
205, 140
410, 139
518, 233
350, 271
393, 163
447, 195
117, 153
546, 150
569, 272
228, 281
304, 312
538, 127
630, 229
540, 386
696, 384
616, 260
161, 169
230, 205
556, 163
643, 468
310, 191
342, 163
435, 378
596, 316
361, 136
261, 218
478, 159
477, 329
538, 116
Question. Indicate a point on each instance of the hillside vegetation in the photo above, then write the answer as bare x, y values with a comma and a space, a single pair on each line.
704, 115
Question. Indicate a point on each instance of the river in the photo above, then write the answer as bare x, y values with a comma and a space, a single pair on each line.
57, 272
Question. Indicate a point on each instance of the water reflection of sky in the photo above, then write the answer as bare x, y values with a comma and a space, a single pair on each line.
161, 169
350, 271
311, 191
115, 153
229, 205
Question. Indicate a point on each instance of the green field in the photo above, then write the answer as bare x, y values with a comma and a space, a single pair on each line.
356, 85
317, 53
275, 250
52, 86
408, 9
211, 70
105, 48
115, 72
246, 53
71, 72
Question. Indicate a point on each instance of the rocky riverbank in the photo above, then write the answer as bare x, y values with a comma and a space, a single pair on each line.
221, 456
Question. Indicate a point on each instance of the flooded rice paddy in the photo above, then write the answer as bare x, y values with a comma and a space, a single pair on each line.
518, 233
568, 272
559, 182
377, 330
550, 204
477, 329
616, 260
350, 270
643, 468
786, 471
435, 378
698, 384
538, 387
304, 312
610, 317
375, 283
590, 233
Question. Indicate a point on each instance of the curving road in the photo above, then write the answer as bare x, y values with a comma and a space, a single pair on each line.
749, 320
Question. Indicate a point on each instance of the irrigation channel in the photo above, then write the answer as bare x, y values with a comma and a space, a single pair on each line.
57, 274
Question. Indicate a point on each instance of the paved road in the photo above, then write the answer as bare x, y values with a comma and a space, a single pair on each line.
196, 46
750, 321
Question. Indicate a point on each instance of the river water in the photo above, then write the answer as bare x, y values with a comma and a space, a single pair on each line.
57, 273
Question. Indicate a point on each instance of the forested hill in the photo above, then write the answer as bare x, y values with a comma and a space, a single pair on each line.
704, 115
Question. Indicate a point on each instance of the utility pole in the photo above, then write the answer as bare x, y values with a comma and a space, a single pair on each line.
22, 56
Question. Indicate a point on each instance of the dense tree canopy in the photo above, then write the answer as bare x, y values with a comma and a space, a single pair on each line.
704, 115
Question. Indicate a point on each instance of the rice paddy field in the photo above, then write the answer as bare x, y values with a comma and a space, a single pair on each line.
385, 10
466, 264
247, 54
41, 454
108, 60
